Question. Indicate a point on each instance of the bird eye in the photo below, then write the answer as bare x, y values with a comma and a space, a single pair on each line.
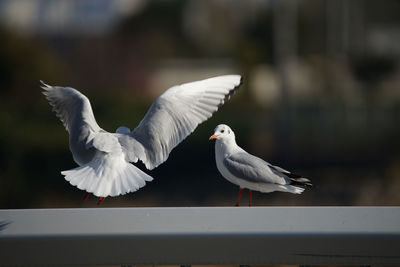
222, 131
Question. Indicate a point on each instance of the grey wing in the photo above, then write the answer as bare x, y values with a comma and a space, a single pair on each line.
72, 107
252, 169
177, 112
75, 112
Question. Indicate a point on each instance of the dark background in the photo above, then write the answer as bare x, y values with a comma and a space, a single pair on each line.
320, 96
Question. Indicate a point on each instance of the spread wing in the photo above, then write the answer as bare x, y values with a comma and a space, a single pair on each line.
177, 112
253, 169
74, 110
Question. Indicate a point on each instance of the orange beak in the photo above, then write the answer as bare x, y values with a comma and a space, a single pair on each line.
214, 136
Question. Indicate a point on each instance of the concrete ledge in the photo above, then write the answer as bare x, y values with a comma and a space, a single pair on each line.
209, 235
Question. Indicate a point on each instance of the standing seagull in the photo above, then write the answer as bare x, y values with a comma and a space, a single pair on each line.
104, 158
251, 172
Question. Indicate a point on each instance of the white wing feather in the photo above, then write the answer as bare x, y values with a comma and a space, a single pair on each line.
72, 107
176, 113
75, 112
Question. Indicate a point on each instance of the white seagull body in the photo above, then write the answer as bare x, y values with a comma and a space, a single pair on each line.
105, 158
251, 172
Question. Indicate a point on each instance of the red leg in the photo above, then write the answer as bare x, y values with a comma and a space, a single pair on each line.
249, 198
239, 196
101, 199
86, 196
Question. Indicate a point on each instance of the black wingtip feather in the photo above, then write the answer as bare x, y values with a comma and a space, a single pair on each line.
301, 182
292, 175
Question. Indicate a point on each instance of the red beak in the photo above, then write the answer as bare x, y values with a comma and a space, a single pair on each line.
214, 136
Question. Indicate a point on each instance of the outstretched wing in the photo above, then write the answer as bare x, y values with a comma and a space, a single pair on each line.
75, 112
72, 107
177, 112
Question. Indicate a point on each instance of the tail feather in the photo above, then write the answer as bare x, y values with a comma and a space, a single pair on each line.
291, 189
296, 190
107, 176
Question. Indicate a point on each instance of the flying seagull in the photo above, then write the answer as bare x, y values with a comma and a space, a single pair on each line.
105, 158
251, 172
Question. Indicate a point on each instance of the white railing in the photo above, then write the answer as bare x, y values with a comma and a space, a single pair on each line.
209, 235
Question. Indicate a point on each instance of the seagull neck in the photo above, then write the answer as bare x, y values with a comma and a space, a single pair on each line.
228, 146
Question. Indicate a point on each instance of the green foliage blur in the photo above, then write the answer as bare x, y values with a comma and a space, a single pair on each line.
321, 97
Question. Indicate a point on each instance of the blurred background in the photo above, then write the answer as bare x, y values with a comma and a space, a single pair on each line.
320, 95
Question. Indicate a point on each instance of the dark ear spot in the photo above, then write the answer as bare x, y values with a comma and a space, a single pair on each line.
229, 131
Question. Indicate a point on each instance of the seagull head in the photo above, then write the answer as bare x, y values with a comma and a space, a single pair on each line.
223, 132
123, 130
